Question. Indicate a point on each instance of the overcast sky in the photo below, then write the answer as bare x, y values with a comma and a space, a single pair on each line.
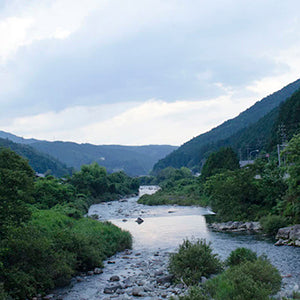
140, 71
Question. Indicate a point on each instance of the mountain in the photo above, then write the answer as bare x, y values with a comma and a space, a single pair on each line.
134, 160
276, 127
194, 151
16, 139
40, 162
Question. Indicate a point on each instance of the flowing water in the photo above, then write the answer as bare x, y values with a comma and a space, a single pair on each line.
165, 227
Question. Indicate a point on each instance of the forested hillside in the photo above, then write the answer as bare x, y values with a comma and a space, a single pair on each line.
278, 126
134, 160
40, 162
191, 153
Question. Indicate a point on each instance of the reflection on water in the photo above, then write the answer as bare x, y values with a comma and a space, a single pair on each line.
167, 232
165, 227
164, 232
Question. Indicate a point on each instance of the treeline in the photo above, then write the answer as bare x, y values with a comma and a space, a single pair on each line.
44, 238
261, 191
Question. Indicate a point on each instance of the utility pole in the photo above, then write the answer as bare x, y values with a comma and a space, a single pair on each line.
282, 135
278, 153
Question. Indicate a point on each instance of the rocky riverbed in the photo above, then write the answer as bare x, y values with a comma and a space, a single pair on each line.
127, 275
142, 272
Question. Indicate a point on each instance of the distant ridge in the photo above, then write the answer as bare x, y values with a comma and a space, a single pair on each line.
192, 152
134, 160
16, 139
40, 162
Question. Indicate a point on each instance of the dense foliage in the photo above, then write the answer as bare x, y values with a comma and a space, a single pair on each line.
258, 191
246, 281
247, 277
220, 161
16, 187
44, 238
245, 194
288, 118
194, 260
271, 223
93, 180
178, 187
240, 255
291, 203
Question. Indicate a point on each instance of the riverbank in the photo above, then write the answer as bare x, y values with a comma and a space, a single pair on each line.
126, 275
163, 229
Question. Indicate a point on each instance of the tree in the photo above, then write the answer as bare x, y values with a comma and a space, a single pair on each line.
50, 191
91, 180
217, 162
16, 188
292, 200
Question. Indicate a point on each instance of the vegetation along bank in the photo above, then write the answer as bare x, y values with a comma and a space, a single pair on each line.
44, 238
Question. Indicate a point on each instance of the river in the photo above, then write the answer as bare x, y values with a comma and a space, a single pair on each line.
163, 229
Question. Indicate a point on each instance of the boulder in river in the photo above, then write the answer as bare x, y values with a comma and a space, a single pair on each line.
112, 289
236, 226
289, 236
139, 220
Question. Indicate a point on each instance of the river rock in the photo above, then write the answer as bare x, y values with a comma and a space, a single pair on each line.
289, 236
165, 279
138, 291
98, 271
139, 220
114, 278
236, 226
112, 289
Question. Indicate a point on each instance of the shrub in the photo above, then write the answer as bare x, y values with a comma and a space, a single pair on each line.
239, 256
51, 248
193, 260
250, 280
270, 224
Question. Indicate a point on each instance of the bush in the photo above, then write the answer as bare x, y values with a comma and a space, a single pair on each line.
250, 280
270, 224
240, 255
193, 260
53, 247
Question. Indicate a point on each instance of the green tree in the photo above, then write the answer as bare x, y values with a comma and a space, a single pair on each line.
218, 162
16, 188
91, 180
292, 199
233, 195
50, 191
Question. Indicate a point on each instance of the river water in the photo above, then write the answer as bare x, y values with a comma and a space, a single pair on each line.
165, 227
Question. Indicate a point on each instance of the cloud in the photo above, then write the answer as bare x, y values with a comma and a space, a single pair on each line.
154, 121
64, 57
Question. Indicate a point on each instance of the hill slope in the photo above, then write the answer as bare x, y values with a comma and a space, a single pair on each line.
134, 160
191, 153
40, 162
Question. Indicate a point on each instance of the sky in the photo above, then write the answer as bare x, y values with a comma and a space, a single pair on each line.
138, 72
